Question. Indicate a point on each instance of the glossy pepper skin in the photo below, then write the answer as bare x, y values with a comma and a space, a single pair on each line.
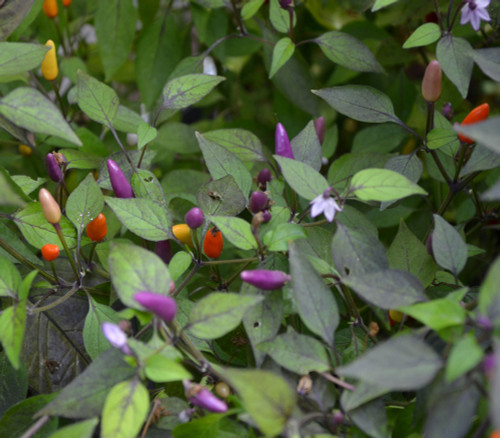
50, 252
263, 178
25, 150
66, 3
258, 201
431, 83
320, 127
282, 143
50, 70
50, 8
213, 243
97, 228
182, 232
265, 279
53, 169
203, 398
119, 181
194, 218
50, 207
161, 305
163, 249
478, 114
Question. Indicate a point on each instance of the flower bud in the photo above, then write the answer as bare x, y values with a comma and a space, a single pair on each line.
53, 169
282, 143
50, 207
115, 336
164, 250
266, 216
263, 178
265, 279
203, 398
161, 305
431, 84
258, 202
285, 4
194, 218
119, 182
319, 126
305, 385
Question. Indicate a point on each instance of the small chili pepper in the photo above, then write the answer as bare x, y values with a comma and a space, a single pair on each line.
202, 397
66, 3
25, 150
319, 126
266, 216
213, 243
395, 317
478, 114
431, 83
282, 143
50, 8
263, 178
50, 70
194, 218
97, 228
182, 232
265, 279
258, 202
50, 207
53, 169
50, 252
119, 181
222, 390
161, 305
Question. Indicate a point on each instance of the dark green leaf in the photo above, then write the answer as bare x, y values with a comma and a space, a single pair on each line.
306, 147
363, 393
448, 247
481, 159
277, 238
488, 61
464, 356
206, 427
186, 90
11, 15
442, 137
486, 133
370, 417
13, 383
10, 278
379, 138
221, 197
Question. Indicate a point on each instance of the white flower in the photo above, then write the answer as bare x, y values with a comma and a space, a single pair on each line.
115, 336
475, 11
325, 204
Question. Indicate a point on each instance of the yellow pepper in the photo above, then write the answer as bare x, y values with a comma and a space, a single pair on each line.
50, 69
183, 233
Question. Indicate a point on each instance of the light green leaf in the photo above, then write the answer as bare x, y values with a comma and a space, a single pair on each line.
277, 239
379, 4
24, 288
12, 324
282, 52
489, 294
251, 8
242, 143
184, 91
82, 429
162, 369
10, 278
11, 16
236, 230
464, 356
179, 264
423, 35
442, 137
145, 135
17, 58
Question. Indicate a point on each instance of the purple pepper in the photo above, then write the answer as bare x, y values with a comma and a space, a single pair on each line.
266, 216
282, 143
194, 218
164, 250
203, 398
319, 126
265, 279
263, 178
53, 169
161, 305
285, 4
258, 202
119, 182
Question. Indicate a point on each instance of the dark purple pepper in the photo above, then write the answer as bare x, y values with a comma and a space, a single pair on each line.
283, 147
285, 4
203, 398
263, 178
119, 182
194, 218
319, 126
266, 216
53, 169
258, 202
265, 279
161, 305
163, 250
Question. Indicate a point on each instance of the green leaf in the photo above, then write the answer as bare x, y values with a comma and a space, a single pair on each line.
96, 99
387, 289
146, 185
162, 369
10, 278
379, 4
28, 108
486, 133
455, 56
409, 254
27, 184
145, 134
312, 299
402, 363
423, 35
83, 429
302, 178
298, 353
125, 409
148, 219
383, 185
84, 203
184, 91
442, 137
280, 18
347, 51
206, 427
95, 342
448, 247
24, 289
13, 240
221, 197
11, 15
266, 396
84, 397
488, 60
242, 143
221, 162
251, 8
219, 313
10, 193
277, 239
381, 138
179, 264
282, 52
363, 393
464, 356
38, 232
12, 324
134, 269
481, 159
13, 383
17, 58
236, 230
306, 147
489, 293
115, 23
371, 417
360, 102
127, 120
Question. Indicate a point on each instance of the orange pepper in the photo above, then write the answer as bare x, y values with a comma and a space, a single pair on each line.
213, 243
50, 8
478, 114
50, 252
97, 229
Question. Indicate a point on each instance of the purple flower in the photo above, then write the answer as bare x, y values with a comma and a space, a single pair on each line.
265, 279
115, 336
325, 204
203, 398
475, 11
161, 305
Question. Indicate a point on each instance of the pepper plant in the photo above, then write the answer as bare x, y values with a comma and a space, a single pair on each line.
249, 218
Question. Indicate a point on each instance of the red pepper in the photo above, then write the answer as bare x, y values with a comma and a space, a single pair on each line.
478, 114
97, 229
50, 252
213, 243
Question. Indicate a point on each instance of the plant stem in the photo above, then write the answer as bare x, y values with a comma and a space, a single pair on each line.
55, 303
186, 280
314, 224
227, 262
337, 381
66, 249
36, 427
